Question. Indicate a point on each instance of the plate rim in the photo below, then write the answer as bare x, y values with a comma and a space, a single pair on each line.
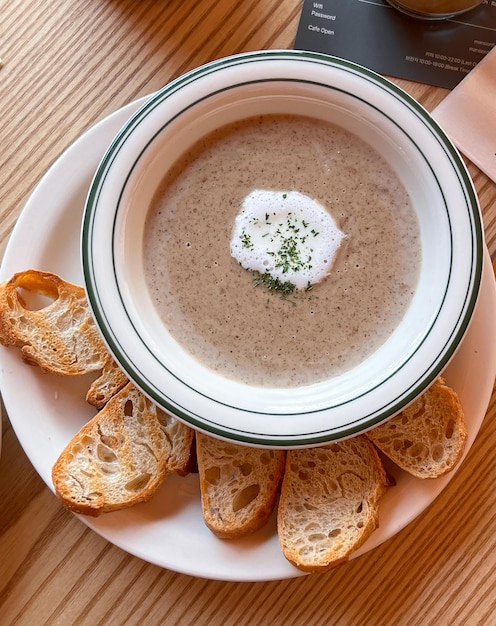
173, 558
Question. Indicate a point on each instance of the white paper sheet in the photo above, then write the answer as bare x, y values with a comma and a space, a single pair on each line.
468, 115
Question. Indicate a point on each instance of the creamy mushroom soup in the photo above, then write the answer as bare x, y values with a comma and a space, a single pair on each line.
263, 326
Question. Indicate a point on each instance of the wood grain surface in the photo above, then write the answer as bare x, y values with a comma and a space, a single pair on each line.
66, 65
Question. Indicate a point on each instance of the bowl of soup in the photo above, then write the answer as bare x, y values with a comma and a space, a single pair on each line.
282, 248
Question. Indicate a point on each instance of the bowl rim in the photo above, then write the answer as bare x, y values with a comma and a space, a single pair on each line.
273, 439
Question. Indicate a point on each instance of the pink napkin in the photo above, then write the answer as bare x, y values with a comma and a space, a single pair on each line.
468, 115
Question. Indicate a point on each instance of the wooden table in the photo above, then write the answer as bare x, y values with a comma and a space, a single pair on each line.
66, 65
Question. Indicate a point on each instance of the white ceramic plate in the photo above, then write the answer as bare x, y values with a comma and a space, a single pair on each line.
46, 411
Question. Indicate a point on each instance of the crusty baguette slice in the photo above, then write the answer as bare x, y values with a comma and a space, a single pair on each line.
181, 438
238, 484
428, 438
59, 336
329, 502
116, 460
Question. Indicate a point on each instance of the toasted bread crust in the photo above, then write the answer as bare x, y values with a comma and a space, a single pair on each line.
118, 459
239, 485
60, 337
427, 439
329, 502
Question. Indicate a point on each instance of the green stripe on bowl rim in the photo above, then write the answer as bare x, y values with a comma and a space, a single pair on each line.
209, 425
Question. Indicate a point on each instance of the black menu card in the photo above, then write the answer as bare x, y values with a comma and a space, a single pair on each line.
374, 34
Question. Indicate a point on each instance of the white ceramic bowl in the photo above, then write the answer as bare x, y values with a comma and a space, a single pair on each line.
283, 82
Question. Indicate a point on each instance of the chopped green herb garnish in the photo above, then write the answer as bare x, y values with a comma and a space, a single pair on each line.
246, 241
285, 288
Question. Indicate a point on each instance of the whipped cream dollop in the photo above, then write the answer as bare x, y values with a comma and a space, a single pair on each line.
287, 235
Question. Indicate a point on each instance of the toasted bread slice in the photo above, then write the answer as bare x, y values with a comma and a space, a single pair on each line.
181, 438
239, 485
59, 336
329, 502
428, 438
116, 460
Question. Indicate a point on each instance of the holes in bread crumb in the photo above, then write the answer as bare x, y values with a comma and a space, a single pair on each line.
110, 470
139, 483
309, 507
110, 441
316, 538
31, 300
302, 475
438, 453
105, 454
246, 469
128, 408
331, 488
450, 429
433, 434
230, 450
418, 451
141, 406
416, 411
76, 449
244, 497
335, 532
94, 496
384, 440
212, 475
